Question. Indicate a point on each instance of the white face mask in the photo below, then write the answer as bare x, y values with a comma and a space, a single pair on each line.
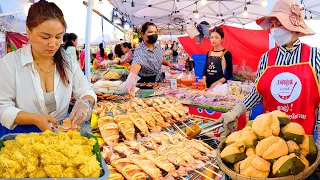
281, 36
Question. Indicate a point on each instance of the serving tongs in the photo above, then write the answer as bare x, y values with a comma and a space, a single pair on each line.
195, 129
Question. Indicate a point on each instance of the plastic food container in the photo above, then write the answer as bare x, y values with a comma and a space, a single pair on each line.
105, 170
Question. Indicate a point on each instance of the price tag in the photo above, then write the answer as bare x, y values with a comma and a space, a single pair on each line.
173, 83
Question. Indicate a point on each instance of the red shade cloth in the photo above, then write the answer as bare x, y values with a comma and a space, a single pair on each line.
244, 44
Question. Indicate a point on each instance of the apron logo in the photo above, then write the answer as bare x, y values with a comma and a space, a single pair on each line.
212, 69
286, 87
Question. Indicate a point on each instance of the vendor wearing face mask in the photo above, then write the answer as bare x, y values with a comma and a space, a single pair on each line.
147, 59
288, 75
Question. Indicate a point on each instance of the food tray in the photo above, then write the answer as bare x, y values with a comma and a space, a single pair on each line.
235, 176
105, 170
150, 85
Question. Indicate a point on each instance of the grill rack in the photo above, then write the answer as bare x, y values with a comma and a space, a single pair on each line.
211, 141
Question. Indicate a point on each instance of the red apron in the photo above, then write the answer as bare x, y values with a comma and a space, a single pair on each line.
293, 89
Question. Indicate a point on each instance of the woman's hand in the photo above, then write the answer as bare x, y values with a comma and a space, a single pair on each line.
81, 112
204, 80
214, 84
42, 121
171, 65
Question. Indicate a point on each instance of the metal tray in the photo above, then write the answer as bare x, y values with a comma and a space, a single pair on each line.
105, 169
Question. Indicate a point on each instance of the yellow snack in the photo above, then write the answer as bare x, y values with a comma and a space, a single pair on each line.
49, 155
266, 125
111, 75
271, 148
255, 166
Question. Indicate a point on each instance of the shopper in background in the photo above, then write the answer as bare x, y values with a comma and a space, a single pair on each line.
110, 56
82, 58
293, 62
166, 47
95, 64
118, 51
40, 78
174, 49
147, 59
127, 50
110, 53
64, 39
71, 44
101, 55
218, 67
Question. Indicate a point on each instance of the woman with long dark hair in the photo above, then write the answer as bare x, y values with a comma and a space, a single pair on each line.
127, 50
40, 78
118, 51
71, 44
101, 54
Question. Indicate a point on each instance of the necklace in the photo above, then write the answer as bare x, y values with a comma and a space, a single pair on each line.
47, 72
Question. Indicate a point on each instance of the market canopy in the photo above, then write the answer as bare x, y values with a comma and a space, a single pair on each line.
172, 17
13, 16
102, 38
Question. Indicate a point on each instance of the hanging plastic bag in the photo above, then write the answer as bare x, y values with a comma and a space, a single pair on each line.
192, 31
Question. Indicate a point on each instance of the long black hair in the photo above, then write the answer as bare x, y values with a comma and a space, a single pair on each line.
65, 38
127, 45
71, 37
40, 12
118, 50
101, 50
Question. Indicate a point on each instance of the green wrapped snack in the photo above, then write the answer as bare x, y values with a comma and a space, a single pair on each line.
309, 149
284, 121
234, 158
287, 165
293, 147
293, 131
1, 144
232, 137
282, 117
233, 154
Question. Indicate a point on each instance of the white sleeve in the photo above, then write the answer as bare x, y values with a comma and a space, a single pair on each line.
8, 111
72, 52
81, 86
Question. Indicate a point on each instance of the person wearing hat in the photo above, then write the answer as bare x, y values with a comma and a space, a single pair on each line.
288, 75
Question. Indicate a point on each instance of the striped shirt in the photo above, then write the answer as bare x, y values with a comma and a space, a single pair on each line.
284, 57
149, 60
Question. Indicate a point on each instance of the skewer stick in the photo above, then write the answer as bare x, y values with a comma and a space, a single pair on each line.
212, 171
210, 119
180, 130
183, 178
202, 174
187, 126
214, 165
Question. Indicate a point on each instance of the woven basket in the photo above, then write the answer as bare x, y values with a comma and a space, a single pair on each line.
235, 176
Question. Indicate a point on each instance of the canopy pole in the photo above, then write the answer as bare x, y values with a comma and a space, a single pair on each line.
88, 39
271, 40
